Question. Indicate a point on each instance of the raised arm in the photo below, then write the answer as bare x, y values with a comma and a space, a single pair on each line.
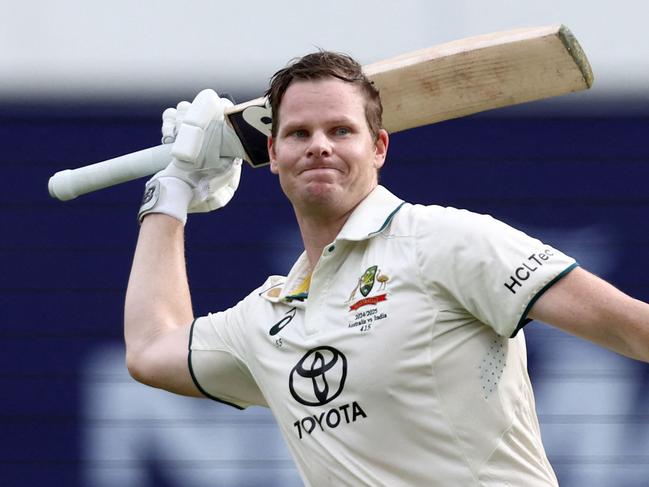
586, 306
158, 310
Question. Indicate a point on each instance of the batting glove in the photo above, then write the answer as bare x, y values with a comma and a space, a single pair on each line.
206, 165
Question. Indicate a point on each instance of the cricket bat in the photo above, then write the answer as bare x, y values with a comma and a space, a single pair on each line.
418, 88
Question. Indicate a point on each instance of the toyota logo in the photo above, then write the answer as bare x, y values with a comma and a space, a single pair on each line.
318, 377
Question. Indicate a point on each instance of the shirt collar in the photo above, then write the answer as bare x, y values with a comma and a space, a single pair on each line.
371, 216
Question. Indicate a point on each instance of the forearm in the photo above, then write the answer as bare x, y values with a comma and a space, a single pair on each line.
625, 331
632, 330
157, 297
587, 306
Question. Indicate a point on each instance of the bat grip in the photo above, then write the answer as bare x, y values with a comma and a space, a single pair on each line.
70, 183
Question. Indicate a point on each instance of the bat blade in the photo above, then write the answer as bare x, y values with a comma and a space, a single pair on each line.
479, 73
453, 80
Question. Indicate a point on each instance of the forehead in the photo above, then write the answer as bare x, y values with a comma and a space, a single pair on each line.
329, 96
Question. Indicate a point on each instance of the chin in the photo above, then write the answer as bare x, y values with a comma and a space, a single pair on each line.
318, 193
321, 190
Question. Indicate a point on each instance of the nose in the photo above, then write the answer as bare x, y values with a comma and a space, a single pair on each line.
319, 146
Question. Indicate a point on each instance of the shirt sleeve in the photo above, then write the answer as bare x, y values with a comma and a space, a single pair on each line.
217, 369
481, 265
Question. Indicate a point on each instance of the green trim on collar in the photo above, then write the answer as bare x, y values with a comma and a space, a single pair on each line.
387, 220
298, 297
524, 319
369, 217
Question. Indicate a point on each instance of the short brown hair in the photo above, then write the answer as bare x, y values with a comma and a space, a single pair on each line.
326, 64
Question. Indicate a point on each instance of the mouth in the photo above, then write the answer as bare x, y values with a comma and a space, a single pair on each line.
323, 170
320, 170
320, 175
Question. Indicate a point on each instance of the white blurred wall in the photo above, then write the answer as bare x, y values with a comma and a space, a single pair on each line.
149, 48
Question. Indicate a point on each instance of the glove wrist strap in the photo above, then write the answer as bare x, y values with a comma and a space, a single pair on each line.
167, 195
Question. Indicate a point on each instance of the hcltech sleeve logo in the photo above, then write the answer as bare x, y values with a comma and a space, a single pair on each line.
317, 379
527, 268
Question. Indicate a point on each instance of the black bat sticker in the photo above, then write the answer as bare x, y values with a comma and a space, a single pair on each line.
253, 126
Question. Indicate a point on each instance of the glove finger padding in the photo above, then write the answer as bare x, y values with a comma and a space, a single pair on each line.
202, 126
182, 108
172, 119
204, 135
169, 125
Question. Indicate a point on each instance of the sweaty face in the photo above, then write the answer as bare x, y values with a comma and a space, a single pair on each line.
323, 152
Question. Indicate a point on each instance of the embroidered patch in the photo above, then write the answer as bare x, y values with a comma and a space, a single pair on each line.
372, 287
365, 285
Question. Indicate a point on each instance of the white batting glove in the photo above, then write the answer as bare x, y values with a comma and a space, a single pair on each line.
206, 165
172, 119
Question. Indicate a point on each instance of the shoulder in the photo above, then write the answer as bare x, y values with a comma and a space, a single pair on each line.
436, 221
260, 301
456, 237
235, 326
262, 297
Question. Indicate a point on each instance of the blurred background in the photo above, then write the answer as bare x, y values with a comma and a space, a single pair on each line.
85, 81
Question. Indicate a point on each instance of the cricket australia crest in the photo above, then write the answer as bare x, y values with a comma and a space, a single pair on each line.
368, 300
372, 287
366, 282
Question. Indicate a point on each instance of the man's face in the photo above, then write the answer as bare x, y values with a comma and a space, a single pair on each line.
323, 152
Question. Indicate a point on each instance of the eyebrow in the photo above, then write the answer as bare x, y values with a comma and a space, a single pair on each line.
296, 124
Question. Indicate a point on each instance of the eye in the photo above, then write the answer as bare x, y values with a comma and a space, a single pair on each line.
300, 133
342, 131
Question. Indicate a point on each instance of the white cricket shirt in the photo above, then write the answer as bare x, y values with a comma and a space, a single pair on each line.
398, 368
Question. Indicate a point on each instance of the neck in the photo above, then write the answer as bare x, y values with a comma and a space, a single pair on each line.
318, 232
321, 224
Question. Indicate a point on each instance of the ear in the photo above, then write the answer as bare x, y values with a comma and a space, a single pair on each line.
381, 148
272, 155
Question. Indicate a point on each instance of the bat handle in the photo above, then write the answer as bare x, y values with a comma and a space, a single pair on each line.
70, 183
